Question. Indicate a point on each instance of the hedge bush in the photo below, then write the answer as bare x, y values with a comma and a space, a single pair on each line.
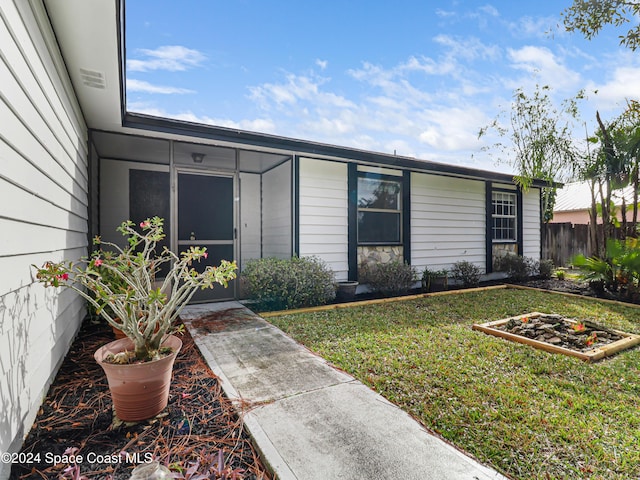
545, 269
466, 273
393, 278
279, 284
516, 267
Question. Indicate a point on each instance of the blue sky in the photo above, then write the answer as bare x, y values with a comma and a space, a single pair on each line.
416, 77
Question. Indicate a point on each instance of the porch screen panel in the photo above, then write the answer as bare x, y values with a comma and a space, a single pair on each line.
149, 197
205, 207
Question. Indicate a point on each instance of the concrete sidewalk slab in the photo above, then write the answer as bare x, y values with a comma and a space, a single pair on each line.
312, 421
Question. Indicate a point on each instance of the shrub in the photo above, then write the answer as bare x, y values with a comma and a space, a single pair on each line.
545, 269
466, 273
433, 280
391, 278
278, 284
560, 274
516, 267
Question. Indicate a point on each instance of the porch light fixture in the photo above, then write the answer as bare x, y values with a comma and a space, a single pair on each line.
197, 157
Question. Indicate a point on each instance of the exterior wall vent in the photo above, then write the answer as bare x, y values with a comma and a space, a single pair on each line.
93, 79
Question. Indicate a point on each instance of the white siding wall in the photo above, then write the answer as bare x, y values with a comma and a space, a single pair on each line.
276, 212
531, 223
43, 213
323, 213
448, 221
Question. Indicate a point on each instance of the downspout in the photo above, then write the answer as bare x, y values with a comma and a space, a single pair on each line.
488, 244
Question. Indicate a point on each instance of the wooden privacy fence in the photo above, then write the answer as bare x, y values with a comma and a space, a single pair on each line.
563, 241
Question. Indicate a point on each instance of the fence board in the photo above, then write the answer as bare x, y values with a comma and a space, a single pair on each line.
563, 241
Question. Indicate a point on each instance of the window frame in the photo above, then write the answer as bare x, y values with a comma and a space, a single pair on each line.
399, 211
513, 206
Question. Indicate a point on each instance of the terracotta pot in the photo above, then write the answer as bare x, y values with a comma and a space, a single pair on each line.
138, 391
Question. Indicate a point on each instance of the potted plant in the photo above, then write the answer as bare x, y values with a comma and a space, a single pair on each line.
124, 287
435, 280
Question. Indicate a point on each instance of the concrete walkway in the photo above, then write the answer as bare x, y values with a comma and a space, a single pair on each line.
309, 420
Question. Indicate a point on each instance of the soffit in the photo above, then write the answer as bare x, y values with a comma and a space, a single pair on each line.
88, 36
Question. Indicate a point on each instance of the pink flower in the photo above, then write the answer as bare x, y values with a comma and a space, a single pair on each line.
205, 254
97, 262
145, 224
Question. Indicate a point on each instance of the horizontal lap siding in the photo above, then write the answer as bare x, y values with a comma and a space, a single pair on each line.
531, 223
323, 213
43, 212
447, 221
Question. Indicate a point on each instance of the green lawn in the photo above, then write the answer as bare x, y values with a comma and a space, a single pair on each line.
527, 413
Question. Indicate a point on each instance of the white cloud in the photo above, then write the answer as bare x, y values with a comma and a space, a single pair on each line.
614, 91
134, 85
453, 128
445, 13
322, 64
428, 66
173, 58
295, 89
535, 27
542, 66
468, 48
264, 125
489, 10
393, 82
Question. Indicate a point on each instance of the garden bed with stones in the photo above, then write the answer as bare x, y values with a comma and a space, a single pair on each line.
555, 333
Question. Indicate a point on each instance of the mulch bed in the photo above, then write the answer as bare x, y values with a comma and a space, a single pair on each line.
76, 420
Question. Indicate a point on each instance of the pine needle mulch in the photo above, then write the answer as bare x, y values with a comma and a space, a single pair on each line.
76, 436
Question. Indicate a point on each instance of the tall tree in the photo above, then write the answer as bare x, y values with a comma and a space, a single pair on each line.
541, 142
590, 16
614, 165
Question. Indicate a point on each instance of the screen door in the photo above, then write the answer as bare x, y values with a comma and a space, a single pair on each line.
206, 219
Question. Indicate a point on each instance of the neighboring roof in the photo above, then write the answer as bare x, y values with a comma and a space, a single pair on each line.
576, 196
90, 35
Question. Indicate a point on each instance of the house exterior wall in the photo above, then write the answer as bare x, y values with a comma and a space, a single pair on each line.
323, 213
577, 217
448, 221
43, 213
531, 223
277, 212
582, 217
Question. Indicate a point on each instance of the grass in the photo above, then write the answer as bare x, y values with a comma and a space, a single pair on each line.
525, 412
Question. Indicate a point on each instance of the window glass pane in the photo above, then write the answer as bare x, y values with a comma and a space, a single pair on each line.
504, 216
376, 193
378, 227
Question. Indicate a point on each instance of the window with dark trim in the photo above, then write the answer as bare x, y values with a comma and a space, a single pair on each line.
379, 210
504, 216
